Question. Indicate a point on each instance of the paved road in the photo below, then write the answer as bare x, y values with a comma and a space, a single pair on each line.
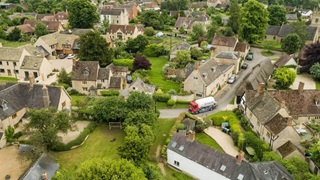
225, 95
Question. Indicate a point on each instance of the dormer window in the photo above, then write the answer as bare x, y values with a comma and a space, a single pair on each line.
318, 103
35, 64
4, 105
86, 71
213, 69
204, 75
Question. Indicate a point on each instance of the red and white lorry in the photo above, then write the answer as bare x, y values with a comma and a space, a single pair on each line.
202, 105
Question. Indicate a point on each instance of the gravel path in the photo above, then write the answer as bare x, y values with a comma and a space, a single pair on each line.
223, 139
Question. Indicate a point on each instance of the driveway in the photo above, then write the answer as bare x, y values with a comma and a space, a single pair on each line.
223, 139
308, 81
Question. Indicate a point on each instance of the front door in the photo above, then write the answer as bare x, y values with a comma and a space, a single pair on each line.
26, 73
9, 72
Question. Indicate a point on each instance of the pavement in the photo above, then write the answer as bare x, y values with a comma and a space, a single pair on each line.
74, 133
224, 140
308, 81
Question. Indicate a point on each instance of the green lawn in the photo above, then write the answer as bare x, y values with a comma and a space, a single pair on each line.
207, 140
162, 132
155, 75
7, 79
267, 53
222, 114
165, 41
98, 145
317, 85
6, 43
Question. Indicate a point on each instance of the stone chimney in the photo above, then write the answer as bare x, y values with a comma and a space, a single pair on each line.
31, 80
45, 96
74, 62
196, 65
283, 104
240, 157
42, 53
191, 135
260, 88
289, 121
301, 86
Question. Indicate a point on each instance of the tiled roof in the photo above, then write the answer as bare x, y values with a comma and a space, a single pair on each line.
49, 18
115, 82
103, 73
50, 39
209, 71
224, 41
20, 95
291, 17
183, 20
142, 87
25, 28
298, 103
285, 29
282, 60
85, 70
227, 55
115, 12
51, 25
276, 124
198, 5
263, 106
311, 32
10, 54
286, 149
113, 28
31, 63
241, 46
78, 32
214, 160
40, 16
114, 68
273, 30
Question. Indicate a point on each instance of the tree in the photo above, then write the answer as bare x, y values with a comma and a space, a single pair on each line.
253, 22
284, 77
106, 169
45, 124
197, 32
64, 77
291, 43
234, 19
277, 14
141, 62
110, 109
136, 143
315, 71
183, 57
151, 18
138, 117
149, 31
82, 14
154, 50
212, 30
228, 32
300, 29
175, 5
140, 100
195, 53
94, 47
137, 44
152, 172
9, 133
271, 156
298, 168
40, 30
312, 53
14, 35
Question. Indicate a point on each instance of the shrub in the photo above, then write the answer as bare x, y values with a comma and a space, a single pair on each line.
9, 133
124, 62
163, 97
200, 127
218, 120
66, 86
171, 102
235, 137
180, 126
17, 135
154, 50
149, 31
172, 92
110, 93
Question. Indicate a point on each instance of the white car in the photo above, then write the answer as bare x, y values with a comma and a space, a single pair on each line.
71, 56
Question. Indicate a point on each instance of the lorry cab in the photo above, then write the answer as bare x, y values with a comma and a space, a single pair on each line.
193, 107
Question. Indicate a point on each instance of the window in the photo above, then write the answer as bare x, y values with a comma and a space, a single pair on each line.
117, 21
7, 63
63, 104
176, 163
318, 103
102, 80
1, 70
85, 89
84, 82
195, 77
14, 115
0, 62
14, 64
17, 71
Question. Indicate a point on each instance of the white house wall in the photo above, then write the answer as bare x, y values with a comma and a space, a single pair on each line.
9, 121
64, 98
190, 167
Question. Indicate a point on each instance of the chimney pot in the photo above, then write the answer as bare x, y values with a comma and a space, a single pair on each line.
196, 65
191, 135
260, 88
301, 86
31, 80
283, 104
240, 157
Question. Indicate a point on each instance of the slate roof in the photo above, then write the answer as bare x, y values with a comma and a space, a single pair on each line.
25, 28
50, 39
182, 46
214, 160
282, 60
143, 87
114, 68
299, 103
10, 54
34, 50
21, 95
115, 82
51, 25
113, 28
85, 70
285, 29
291, 17
209, 71
276, 124
183, 20
198, 5
31, 63
286, 149
273, 30
241, 46
224, 41
78, 31
227, 55
311, 32
103, 73
263, 106
114, 12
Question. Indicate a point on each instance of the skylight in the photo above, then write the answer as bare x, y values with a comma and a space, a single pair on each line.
223, 167
240, 177
174, 144
181, 148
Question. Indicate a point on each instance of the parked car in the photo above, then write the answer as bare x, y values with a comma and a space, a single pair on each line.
232, 79
71, 56
244, 66
62, 56
249, 56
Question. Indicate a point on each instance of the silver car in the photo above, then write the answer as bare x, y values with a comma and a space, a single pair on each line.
232, 79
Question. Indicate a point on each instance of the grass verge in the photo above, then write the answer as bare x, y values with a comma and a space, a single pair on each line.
207, 140
6, 43
7, 79
267, 53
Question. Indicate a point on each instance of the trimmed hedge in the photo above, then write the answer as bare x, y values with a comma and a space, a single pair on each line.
163, 97
171, 102
124, 62
86, 131
110, 93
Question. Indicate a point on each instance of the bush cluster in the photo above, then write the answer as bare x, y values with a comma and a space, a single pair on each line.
124, 62
110, 93
171, 102
162, 97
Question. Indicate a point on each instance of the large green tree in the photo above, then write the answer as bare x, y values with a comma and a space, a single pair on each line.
138, 117
64, 77
300, 28
40, 30
291, 43
136, 143
106, 169
93, 47
315, 71
254, 21
277, 14
137, 44
234, 19
183, 57
44, 125
312, 52
139, 100
82, 14
284, 77
15, 35
175, 5
198, 31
